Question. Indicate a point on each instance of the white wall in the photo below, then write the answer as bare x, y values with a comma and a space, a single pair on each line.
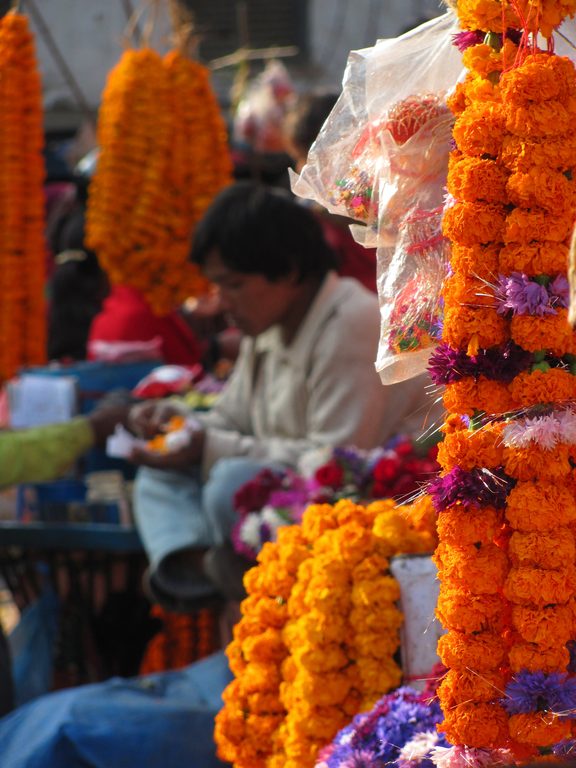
90, 33
339, 26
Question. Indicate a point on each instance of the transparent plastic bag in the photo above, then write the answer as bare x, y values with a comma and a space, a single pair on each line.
391, 107
410, 278
381, 159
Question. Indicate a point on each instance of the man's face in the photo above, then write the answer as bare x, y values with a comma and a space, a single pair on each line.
253, 302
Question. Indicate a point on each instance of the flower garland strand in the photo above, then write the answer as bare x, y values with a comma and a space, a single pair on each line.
505, 497
319, 631
163, 157
22, 246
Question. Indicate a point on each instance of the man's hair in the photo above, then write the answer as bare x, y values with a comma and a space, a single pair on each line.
258, 230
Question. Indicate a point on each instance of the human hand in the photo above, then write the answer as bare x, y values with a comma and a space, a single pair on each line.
148, 418
104, 420
181, 458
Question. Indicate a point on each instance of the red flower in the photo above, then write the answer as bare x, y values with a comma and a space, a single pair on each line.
330, 474
386, 469
254, 494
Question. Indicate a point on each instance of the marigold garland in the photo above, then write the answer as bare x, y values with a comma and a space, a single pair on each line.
508, 580
319, 631
163, 157
22, 245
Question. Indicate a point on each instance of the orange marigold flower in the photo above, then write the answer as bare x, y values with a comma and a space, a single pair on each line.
554, 550
536, 658
474, 223
468, 396
480, 260
457, 101
549, 626
536, 463
483, 59
482, 651
480, 129
528, 585
526, 224
551, 332
318, 660
464, 685
380, 645
521, 155
462, 323
472, 448
481, 569
265, 647
474, 179
538, 387
540, 77
541, 187
539, 120
536, 258
541, 729
540, 506
317, 519
463, 611
458, 525
487, 16
476, 725
467, 290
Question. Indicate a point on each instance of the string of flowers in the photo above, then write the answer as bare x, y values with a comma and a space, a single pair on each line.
163, 157
318, 633
22, 246
397, 470
505, 498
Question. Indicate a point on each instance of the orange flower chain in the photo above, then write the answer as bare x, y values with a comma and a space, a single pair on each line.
319, 631
22, 245
163, 157
506, 495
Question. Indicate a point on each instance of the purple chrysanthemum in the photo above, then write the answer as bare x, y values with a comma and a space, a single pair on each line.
502, 363
566, 748
479, 487
467, 39
540, 692
519, 294
447, 365
559, 290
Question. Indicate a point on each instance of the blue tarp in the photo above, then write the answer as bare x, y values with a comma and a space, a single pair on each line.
164, 720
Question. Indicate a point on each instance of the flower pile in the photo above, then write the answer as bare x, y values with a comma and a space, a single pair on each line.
397, 471
400, 731
317, 640
505, 498
163, 157
22, 247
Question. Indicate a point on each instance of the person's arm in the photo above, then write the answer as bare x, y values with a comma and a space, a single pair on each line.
45, 453
39, 454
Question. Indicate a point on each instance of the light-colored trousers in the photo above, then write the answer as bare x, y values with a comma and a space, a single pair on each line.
174, 510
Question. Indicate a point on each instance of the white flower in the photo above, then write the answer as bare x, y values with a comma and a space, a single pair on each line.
311, 460
250, 531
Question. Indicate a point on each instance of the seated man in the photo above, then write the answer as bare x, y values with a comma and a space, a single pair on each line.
304, 379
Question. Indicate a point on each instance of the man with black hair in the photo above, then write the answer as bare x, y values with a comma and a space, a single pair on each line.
304, 379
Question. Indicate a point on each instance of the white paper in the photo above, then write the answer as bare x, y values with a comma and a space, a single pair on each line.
37, 400
121, 443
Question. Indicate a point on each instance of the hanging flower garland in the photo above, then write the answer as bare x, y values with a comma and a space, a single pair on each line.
163, 157
319, 631
22, 246
505, 497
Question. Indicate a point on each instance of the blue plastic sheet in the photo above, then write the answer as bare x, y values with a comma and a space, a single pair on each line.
164, 720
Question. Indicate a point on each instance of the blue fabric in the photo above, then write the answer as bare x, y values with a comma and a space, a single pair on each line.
157, 721
31, 645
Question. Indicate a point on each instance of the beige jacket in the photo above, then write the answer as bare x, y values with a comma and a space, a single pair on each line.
321, 390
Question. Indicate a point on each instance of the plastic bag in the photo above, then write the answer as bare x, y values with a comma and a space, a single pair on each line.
381, 158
